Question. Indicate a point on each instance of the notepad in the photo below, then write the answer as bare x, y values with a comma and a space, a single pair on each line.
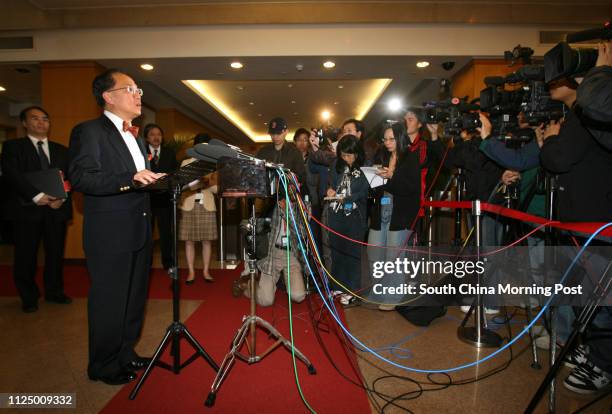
373, 178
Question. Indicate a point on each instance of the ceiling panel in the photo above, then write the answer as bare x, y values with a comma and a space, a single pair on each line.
251, 104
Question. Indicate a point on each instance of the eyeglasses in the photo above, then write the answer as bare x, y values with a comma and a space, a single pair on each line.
130, 89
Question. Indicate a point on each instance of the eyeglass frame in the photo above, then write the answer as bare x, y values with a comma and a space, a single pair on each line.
131, 89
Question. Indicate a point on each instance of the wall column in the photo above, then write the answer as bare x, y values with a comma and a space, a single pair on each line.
66, 95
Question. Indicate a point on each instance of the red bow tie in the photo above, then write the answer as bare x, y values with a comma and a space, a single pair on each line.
132, 128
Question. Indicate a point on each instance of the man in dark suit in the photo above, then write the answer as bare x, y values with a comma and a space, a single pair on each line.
163, 160
34, 214
107, 164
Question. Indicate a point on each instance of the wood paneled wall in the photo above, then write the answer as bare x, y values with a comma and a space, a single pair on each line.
66, 95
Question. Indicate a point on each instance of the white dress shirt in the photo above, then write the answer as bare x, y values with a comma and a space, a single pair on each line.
152, 150
129, 139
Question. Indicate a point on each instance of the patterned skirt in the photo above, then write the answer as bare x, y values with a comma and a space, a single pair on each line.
198, 224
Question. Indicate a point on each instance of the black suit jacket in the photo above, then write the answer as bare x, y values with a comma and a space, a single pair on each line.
19, 156
166, 164
115, 212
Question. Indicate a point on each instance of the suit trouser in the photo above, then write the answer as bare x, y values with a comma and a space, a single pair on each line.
117, 298
27, 236
163, 217
266, 289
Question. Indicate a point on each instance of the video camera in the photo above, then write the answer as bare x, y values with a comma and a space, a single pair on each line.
532, 98
563, 61
326, 135
455, 114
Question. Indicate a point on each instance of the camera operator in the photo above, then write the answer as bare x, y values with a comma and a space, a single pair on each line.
324, 153
594, 96
584, 169
275, 262
520, 163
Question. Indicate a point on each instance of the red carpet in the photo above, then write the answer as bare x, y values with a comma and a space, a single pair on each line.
267, 386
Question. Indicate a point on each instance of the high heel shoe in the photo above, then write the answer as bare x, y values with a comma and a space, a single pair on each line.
190, 281
208, 278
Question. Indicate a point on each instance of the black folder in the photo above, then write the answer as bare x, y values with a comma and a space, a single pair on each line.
48, 181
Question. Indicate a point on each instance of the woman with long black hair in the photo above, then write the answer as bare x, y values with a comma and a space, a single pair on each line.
347, 214
396, 204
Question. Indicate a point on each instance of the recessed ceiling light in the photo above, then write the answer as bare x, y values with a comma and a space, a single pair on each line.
2, 89
295, 113
251, 103
422, 64
265, 123
259, 114
290, 85
329, 64
336, 103
236, 65
146, 66
325, 115
240, 87
292, 102
340, 86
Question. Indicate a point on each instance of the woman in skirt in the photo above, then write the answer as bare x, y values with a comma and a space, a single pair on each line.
198, 221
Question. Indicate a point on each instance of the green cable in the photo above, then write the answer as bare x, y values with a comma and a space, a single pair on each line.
297, 380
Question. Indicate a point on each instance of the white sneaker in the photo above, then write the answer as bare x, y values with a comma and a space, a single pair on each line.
587, 379
488, 311
347, 299
577, 357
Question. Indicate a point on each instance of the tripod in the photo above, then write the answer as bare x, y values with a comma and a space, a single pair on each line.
247, 332
177, 329
584, 319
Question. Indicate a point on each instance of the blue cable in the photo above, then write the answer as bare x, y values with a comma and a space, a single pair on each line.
435, 371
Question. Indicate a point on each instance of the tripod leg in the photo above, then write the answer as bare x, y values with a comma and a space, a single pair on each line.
155, 358
287, 343
534, 351
200, 350
227, 363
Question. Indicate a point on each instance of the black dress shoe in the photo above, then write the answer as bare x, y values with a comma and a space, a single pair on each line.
122, 377
62, 300
30, 308
138, 363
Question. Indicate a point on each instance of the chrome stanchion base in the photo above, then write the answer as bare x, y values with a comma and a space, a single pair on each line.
483, 339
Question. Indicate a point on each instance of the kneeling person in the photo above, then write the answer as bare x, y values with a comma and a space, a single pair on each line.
276, 262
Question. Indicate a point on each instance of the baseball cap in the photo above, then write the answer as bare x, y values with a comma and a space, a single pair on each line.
276, 126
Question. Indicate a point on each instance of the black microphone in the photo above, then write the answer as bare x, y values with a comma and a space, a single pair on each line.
215, 151
194, 154
217, 142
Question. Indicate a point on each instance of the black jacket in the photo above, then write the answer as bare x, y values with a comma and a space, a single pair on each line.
115, 214
290, 157
405, 186
481, 173
584, 169
19, 156
594, 96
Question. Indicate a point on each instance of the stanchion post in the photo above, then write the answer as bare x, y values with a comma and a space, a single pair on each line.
478, 335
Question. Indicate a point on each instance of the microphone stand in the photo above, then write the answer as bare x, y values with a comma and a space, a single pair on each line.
176, 329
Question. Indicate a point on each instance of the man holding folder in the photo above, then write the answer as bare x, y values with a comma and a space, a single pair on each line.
36, 215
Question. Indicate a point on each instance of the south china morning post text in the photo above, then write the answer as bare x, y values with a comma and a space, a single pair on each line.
444, 279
